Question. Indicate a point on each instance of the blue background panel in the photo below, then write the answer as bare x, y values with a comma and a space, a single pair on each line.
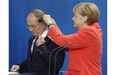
61, 11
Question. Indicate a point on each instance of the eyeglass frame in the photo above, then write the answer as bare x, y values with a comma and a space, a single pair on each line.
32, 26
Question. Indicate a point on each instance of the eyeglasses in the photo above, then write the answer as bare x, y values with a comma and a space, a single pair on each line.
32, 26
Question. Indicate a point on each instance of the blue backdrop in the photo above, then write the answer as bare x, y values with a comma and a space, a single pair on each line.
61, 11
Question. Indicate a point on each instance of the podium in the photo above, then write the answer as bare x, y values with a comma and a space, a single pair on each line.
15, 73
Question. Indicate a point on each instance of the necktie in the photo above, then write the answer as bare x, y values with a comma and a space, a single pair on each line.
34, 47
33, 51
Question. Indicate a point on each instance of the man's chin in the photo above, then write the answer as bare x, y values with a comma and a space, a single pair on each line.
74, 26
34, 34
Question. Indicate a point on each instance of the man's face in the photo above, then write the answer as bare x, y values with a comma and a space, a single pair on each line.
34, 26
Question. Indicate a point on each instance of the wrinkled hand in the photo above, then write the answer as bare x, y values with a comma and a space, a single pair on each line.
15, 68
40, 41
47, 19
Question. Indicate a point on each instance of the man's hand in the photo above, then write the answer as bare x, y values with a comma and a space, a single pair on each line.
15, 68
40, 41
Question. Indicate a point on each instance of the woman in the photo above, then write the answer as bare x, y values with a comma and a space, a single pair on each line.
85, 46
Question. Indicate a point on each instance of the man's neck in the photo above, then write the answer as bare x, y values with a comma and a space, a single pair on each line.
44, 33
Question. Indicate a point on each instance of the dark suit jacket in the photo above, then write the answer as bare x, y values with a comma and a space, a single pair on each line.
39, 63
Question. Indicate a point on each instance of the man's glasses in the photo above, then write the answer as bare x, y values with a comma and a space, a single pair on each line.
31, 26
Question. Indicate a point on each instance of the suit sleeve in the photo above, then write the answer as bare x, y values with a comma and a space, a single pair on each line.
23, 66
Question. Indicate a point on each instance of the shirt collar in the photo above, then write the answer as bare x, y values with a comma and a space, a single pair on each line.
44, 33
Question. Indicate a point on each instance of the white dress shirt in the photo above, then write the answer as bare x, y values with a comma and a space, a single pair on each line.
43, 35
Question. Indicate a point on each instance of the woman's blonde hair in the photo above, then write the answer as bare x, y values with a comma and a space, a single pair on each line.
88, 9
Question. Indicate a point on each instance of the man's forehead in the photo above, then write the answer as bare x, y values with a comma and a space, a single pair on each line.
31, 16
31, 19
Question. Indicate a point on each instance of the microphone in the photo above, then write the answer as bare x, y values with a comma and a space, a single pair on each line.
66, 45
55, 54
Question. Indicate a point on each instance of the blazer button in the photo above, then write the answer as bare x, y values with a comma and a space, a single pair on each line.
30, 71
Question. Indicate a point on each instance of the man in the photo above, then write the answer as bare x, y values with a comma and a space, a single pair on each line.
42, 51
85, 50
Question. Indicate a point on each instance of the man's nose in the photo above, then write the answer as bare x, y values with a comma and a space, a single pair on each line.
30, 29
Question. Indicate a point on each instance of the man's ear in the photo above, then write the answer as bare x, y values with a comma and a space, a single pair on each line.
85, 19
43, 22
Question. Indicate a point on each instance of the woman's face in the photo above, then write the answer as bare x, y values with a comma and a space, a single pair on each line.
78, 20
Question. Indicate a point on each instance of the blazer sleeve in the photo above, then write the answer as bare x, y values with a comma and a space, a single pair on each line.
79, 39
47, 55
23, 65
